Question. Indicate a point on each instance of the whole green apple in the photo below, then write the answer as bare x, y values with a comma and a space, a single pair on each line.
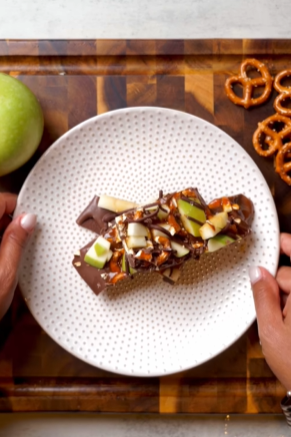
21, 124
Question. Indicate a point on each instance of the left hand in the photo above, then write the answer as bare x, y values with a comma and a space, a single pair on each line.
16, 233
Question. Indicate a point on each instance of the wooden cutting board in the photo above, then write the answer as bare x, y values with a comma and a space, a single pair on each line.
75, 80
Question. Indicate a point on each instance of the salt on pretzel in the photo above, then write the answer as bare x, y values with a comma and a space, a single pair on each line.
249, 84
273, 139
277, 82
283, 163
284, 93
281, 98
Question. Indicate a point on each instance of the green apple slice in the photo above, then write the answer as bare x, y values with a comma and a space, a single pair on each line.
218, 242
136, 242
168, 228
180, 249
114, 204
176, 272
101, 246
158, 233
219, 220
162, 215
186, 209
207, 231
152, 209
123, 266
172, 275
94, 260
137, 230
214, 225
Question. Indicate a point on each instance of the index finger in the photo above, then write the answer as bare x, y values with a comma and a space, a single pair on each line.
285, 244
7, 203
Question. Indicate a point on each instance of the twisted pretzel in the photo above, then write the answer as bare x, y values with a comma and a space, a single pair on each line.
249, 84
273, 139
277, 82
282, 110
283, 163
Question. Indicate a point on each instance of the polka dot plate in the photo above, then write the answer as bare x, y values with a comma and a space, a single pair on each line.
143, 327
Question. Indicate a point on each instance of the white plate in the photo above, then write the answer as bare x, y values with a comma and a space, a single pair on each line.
143, 327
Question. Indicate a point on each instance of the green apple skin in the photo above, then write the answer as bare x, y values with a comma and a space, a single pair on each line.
186, 209
123, 267
21, 124
218, 242
94, 260
180, 250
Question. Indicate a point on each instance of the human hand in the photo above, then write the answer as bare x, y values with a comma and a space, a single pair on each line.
12, 246
273, 307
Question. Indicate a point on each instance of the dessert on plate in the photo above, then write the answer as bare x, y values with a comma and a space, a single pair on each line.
157, 237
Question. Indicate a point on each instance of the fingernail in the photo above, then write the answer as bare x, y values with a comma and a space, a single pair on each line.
255, 274
28, 222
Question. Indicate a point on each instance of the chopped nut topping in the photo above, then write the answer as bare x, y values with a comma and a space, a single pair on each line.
197, 245
77, 264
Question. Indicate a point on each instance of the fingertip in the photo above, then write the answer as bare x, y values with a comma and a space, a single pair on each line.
266, 297
28, 222
285, 243
258, 273
284, 235
16, 236
255, 274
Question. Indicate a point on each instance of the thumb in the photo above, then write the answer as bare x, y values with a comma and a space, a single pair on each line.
267, 301
12, 246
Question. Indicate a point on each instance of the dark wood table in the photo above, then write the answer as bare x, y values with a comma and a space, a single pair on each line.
75, 80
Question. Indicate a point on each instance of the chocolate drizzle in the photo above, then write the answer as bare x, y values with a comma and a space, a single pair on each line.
160, 228
193, 202
145, 218
192, 219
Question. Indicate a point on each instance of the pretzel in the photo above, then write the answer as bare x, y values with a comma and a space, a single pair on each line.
273, 139
277, 82
249, 84
283, 163
282, 110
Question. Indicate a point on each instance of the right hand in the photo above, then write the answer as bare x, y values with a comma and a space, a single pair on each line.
273, 307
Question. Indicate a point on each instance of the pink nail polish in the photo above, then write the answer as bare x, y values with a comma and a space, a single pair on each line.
28, 222
255, 274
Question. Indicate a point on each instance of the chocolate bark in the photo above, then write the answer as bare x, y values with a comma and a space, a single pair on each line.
158, 252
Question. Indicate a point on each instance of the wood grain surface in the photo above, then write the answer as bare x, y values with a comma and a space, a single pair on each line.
75, 80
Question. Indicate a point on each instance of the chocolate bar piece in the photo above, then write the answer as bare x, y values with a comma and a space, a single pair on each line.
158, 237
95, 218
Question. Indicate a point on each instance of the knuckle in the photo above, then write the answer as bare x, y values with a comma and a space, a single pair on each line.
271, 339
14, 239
267, 332
8, 277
